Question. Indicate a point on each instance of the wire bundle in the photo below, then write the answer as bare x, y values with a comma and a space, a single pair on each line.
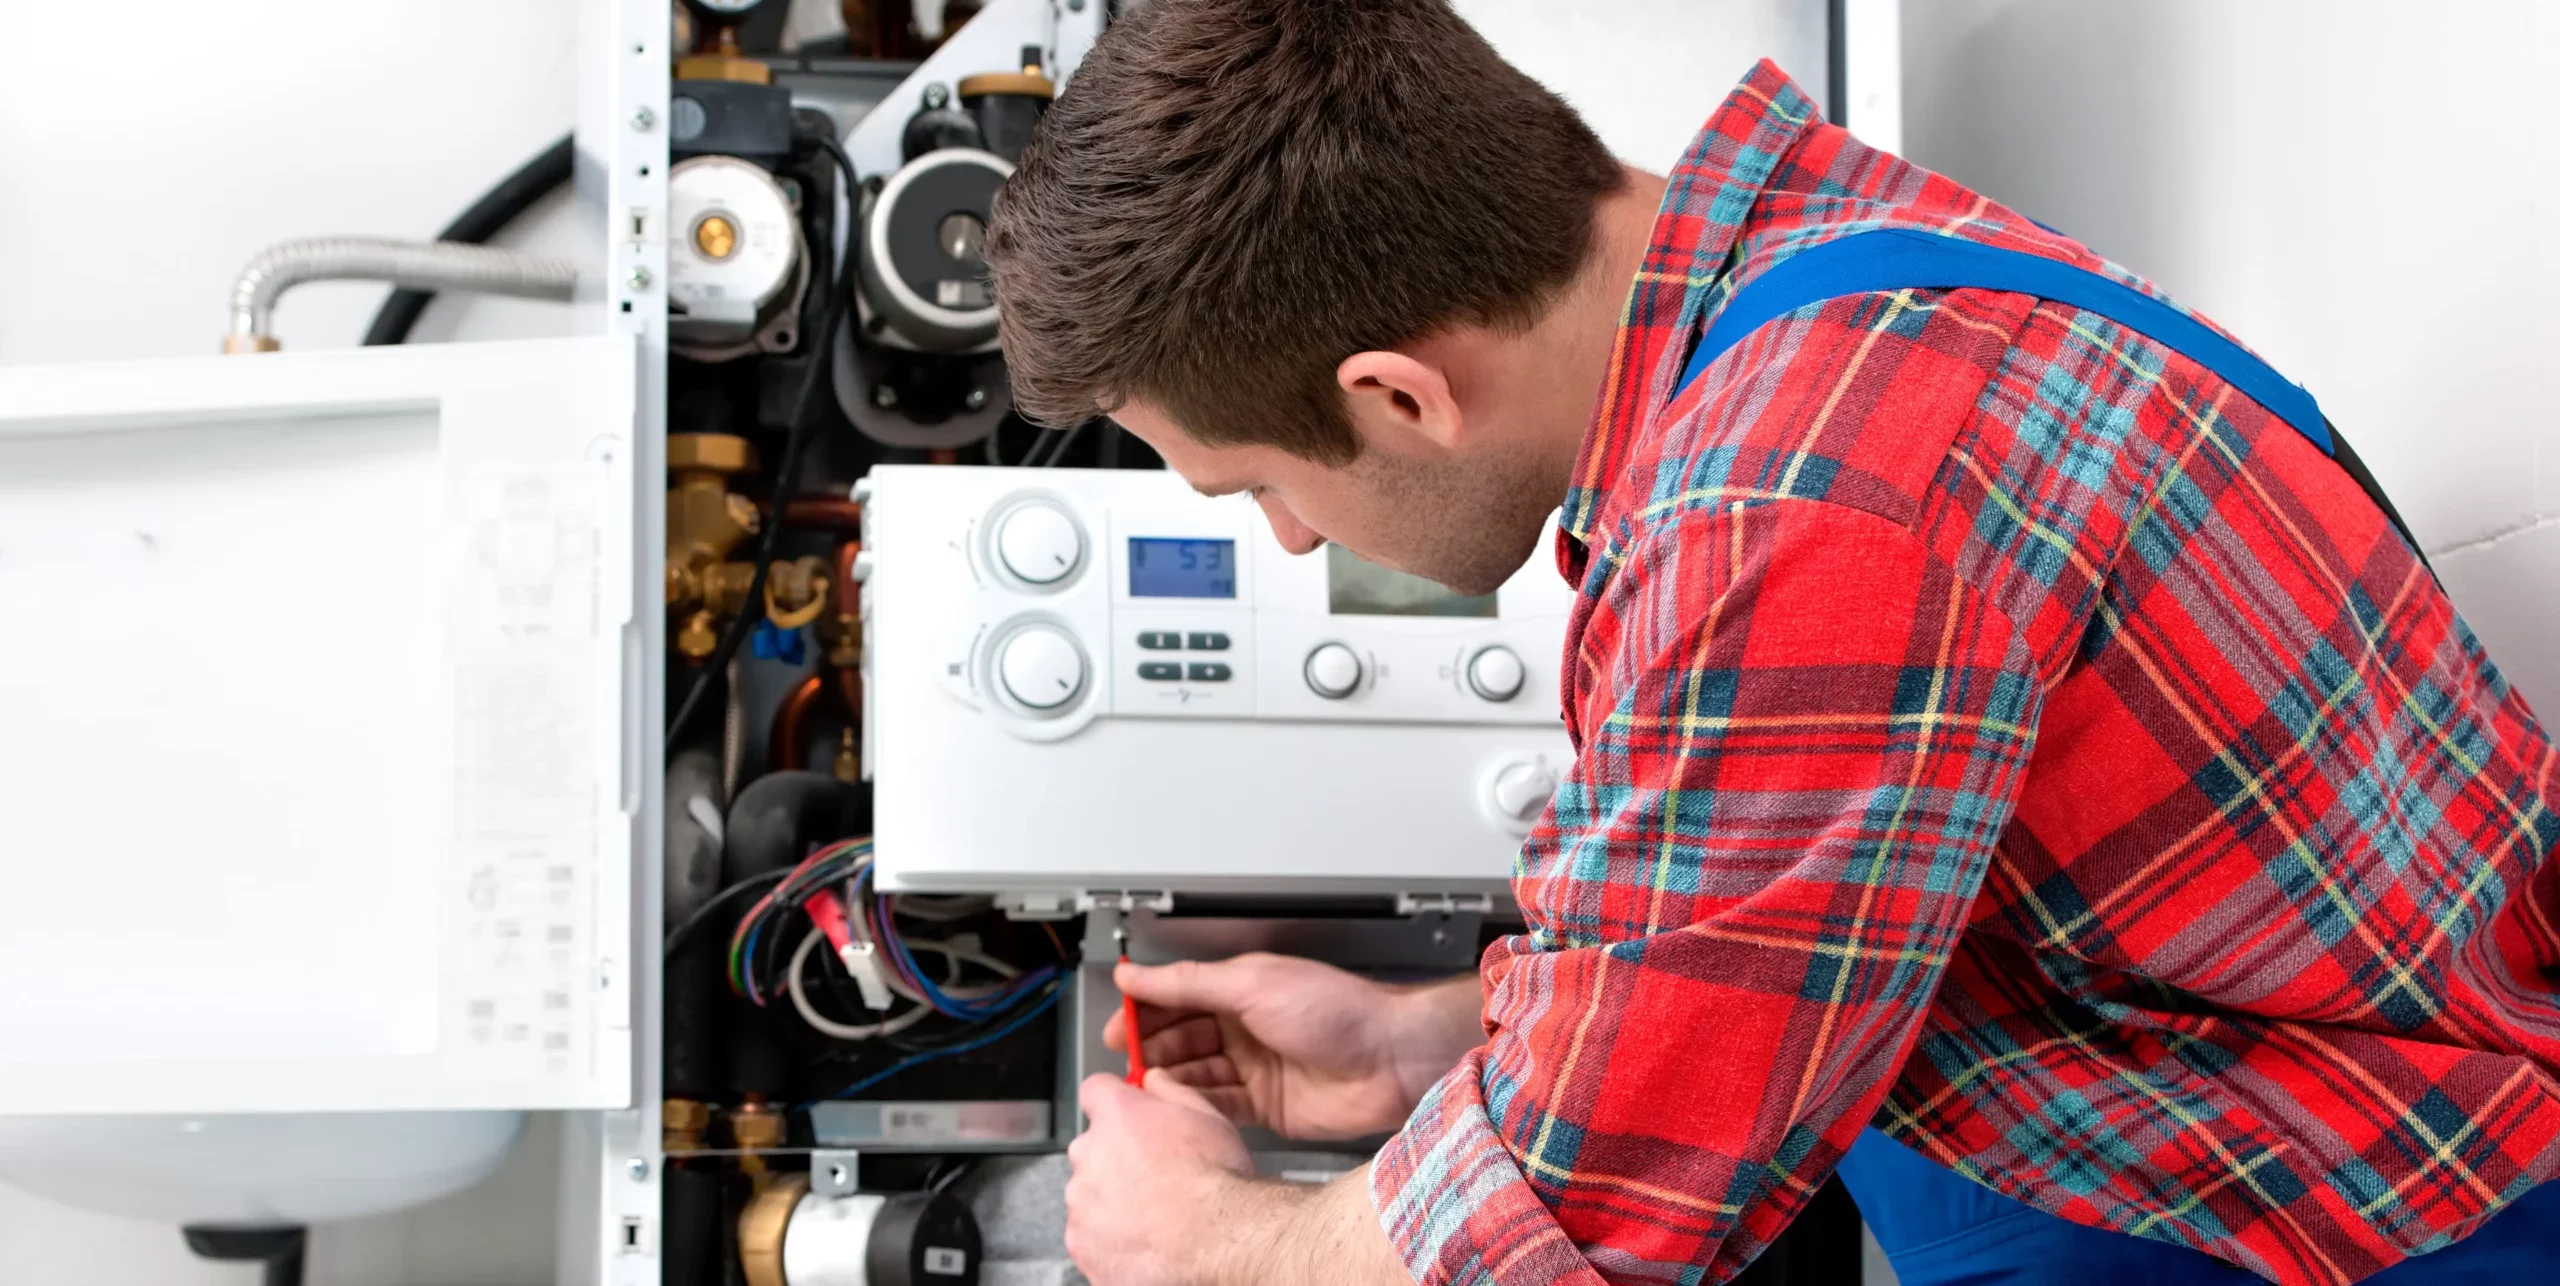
867, 935
969, 1004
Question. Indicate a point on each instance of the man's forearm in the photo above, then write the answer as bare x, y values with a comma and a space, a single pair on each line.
1442, 1021
1288, 1234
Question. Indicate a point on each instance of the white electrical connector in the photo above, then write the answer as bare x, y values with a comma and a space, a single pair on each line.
862, 960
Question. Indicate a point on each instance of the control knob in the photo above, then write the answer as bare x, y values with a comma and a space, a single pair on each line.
1517, 792
1039, 543
1495, 673
1333, 671
1040, 667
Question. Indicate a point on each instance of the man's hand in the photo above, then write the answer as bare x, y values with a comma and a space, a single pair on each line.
1163, 1194
1151, 1168
1303, 1049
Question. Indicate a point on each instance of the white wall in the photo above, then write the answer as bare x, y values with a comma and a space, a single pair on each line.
147, 149
2362, 189
1646, 73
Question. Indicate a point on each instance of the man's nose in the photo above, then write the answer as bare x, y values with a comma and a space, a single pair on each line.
1294, 536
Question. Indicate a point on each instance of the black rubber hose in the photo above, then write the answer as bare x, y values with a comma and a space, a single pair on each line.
776, 820
498, 207
780, 816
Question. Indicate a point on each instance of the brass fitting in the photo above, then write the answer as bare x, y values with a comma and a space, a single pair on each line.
681, 1122
706, 522
723, 66
698, 637
795, 593
848, 764
757, 1128
761, 1226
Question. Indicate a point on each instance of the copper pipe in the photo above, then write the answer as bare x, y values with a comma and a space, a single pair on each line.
849, 682
845, 554
822, 511
790, 740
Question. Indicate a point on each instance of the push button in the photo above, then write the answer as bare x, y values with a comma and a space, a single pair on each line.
1161, 641
1210, 643
1210, 672
1159, 671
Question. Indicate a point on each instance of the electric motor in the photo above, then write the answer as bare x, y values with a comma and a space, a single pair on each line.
792, 1236
925, 283
734, 259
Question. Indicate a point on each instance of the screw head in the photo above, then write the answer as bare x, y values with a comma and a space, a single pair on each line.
643, 119
638, 1169
638, 279
1075, 6
883, 396
937, 96
977, 398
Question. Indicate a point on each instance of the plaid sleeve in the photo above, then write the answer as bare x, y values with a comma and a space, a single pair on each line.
1802, 734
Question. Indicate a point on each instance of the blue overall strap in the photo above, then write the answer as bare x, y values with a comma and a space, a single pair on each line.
1898, 259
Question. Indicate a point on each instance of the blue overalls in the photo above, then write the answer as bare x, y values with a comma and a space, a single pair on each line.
1938, 1227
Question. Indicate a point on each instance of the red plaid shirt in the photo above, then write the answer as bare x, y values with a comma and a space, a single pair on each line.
1996, 728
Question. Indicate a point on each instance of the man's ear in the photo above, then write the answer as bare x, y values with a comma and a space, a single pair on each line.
1397, 399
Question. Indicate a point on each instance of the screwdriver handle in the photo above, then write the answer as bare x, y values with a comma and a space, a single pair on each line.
1129, 1025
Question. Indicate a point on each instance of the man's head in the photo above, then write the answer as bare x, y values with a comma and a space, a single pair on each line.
1314, 249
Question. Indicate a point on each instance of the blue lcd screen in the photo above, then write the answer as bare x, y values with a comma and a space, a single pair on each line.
1181, 568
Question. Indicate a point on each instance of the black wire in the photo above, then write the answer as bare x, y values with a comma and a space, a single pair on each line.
496, 208
710, 910
804, 413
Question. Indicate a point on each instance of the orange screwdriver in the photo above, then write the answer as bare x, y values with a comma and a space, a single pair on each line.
1129, 1014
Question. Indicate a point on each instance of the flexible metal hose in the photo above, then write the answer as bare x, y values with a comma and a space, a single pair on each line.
411, 265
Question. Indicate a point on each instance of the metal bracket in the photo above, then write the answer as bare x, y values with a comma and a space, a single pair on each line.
1125, 901
834, 1173
1053, 904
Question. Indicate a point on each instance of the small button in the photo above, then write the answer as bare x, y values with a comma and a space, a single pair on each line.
1159, 670
1160, 641
1210, 672
1210, 642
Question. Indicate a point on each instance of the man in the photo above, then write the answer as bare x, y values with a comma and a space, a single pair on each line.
1993, 725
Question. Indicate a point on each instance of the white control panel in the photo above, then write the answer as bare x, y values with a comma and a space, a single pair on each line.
1083, 680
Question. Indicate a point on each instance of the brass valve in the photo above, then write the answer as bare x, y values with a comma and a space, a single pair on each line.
706, 523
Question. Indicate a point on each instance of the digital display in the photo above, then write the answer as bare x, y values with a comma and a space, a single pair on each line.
1359, 587
1160, 567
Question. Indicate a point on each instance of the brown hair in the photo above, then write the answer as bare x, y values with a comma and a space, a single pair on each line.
1232, 196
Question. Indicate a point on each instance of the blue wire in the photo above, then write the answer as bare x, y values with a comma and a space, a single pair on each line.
1047, 1003
977, 1010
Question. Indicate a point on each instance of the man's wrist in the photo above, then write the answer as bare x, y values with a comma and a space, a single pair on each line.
1441, 1021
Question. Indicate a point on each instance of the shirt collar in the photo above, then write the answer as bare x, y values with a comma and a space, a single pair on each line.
1686, 272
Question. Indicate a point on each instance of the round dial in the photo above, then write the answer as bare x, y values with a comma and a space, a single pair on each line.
1496, 674
1040, 667
1039, 543
1333, 671
1519, 791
